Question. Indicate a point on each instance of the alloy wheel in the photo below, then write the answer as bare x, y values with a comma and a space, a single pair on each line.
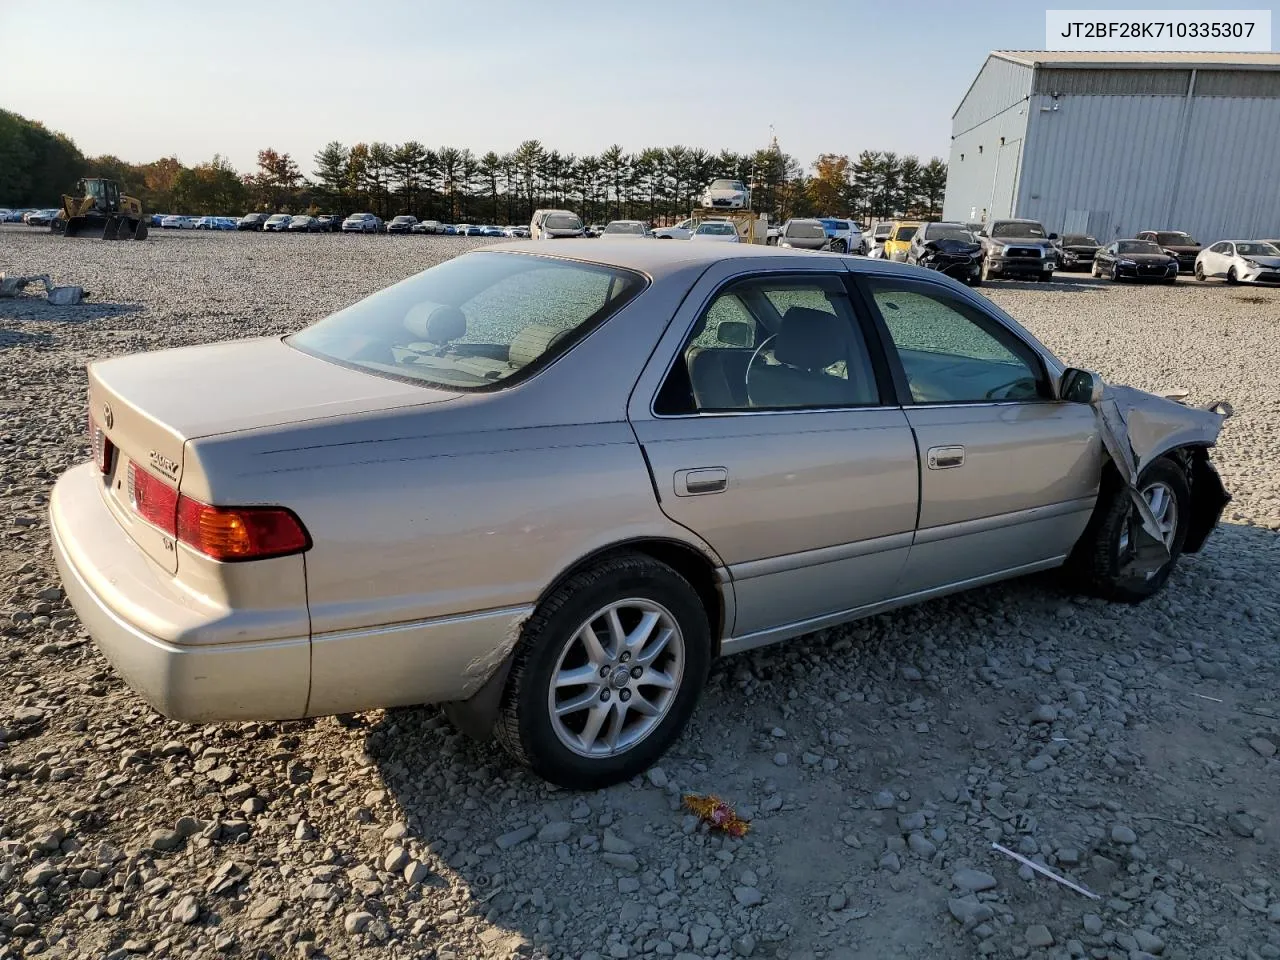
616, 678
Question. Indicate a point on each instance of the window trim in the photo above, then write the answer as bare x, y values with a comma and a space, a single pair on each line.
881, 369
902, 387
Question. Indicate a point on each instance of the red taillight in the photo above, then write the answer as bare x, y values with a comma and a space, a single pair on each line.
240, 533
223, 533
153, 500
100, 446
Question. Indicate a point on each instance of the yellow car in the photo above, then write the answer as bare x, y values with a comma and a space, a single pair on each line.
895, 248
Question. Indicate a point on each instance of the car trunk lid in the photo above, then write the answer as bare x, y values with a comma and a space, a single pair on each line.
147, 406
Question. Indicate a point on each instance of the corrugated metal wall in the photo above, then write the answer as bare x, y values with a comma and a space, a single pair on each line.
1238, 83
1118, 158
980, 173
999, 85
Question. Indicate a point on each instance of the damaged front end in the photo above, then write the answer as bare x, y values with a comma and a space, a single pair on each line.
1138, 428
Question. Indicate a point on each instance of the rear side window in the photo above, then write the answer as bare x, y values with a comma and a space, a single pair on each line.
475, 322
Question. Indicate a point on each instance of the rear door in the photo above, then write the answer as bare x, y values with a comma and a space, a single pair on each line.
1008, 476
764, 419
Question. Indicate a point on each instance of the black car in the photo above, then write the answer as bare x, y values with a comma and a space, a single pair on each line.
330, 222
949, 248
304, 224
1076, 251
1176, 244
401, 224
252, 221
1135, 260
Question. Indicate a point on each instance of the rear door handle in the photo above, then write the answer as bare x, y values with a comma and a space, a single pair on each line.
945, 458
698, 481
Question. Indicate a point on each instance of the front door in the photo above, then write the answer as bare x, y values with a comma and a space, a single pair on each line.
770, 437
1008, 475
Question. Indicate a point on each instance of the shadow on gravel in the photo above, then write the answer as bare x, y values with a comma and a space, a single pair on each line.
504, 849
37, 309
19, 338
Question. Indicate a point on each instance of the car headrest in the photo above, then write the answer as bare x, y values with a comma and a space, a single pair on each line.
436, 322
736, 333
533, 341
811, 339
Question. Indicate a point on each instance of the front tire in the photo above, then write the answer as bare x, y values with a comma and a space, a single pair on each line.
1108, 560
1231, 277
986, 270
606, 673
1200, 273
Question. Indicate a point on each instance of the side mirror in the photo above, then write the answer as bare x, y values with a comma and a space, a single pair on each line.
1081, 386
1053, 236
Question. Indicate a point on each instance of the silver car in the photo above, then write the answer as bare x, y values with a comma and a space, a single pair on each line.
547, 489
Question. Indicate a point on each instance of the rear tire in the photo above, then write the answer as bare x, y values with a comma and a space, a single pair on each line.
571, 747
1098, 561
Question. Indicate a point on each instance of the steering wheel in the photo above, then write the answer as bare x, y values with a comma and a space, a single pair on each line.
746, 381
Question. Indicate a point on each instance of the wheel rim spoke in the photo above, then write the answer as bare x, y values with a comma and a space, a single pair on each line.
588, 673
595, 721
656, 678
581, 702
639, 636
595, 652
619, 720
617, 636
651, 653
642, 705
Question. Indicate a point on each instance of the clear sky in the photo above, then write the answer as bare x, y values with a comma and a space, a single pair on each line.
148, 78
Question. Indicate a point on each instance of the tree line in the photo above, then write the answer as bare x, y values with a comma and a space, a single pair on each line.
454, 184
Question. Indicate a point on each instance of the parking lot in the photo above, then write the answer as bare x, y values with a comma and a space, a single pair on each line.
1132, 748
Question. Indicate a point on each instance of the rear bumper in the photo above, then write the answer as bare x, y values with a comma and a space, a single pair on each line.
112, 584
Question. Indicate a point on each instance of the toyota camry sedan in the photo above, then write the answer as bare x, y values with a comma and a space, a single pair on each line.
547, 487
1240, 261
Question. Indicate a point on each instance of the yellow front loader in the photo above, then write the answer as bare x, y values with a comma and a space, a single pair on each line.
101, 210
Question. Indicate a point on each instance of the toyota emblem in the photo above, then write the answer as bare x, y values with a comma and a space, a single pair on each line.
107, 416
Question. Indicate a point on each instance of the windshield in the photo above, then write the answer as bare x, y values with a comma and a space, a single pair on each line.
717, 229
1175, 238
280, 216
474, 321
947, 231
1014, 229
805, 230
361, 216
726, 185
1257, 250
883, 230
1138, 246
562, 221
905, 233
1079, 240
403, 220
621, 226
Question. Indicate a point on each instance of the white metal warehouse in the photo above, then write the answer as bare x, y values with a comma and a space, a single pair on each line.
1114, 143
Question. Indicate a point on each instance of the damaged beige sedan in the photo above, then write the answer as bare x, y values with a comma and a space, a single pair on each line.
546, 488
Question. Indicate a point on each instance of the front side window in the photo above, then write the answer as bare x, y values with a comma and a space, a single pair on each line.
950, 351
773, 343
474, 322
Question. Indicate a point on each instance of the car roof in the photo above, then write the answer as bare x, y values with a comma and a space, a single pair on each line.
653, 258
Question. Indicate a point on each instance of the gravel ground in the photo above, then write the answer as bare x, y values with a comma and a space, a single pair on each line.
1129, 749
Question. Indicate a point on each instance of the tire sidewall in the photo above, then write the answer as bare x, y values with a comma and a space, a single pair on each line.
551, 759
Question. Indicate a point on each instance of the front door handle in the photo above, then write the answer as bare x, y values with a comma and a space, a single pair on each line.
945, 458
698, 481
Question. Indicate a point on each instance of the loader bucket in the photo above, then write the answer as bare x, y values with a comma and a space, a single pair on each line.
141, 232
111, 228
